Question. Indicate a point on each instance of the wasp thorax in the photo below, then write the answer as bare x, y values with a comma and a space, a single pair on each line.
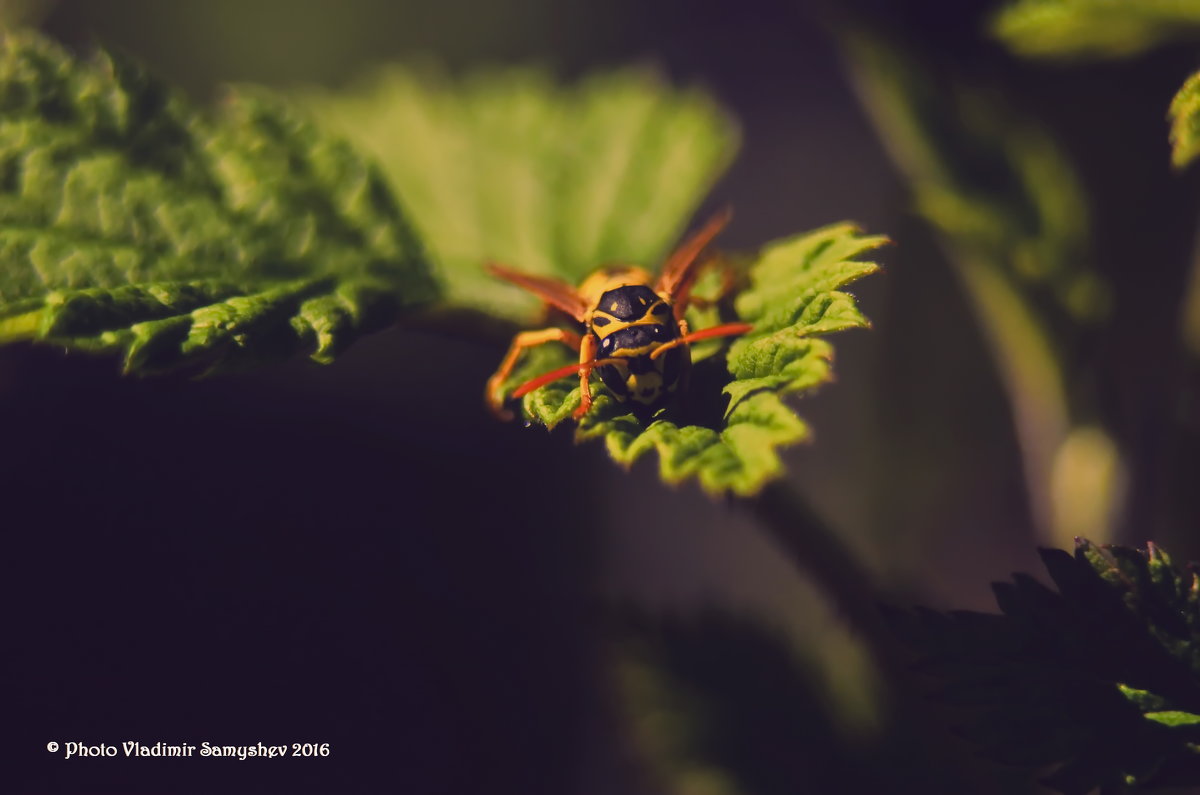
632, 316
630, 302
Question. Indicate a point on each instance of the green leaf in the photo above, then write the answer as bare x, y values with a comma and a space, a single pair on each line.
1094, 28
792, 299
130, 223
1100, 678
1173, 718
1184, 114
509, 167
1143, 699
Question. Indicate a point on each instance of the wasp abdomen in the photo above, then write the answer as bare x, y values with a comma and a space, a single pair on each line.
642, 380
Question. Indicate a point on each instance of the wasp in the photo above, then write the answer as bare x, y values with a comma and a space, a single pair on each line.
634, 335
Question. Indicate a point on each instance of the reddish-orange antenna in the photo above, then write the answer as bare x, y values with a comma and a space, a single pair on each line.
725, 330
554, 375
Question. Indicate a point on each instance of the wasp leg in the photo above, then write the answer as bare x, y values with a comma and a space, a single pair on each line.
685, 375
494, 394
587, 357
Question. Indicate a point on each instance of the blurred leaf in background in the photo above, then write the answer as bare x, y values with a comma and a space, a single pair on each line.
1012, 217
507, 166
1094, 28
129, 223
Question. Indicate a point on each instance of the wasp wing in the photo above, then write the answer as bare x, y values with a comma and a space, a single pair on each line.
680, 270
552, 291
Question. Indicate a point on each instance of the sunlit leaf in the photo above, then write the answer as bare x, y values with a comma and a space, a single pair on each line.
793, 300
129, 223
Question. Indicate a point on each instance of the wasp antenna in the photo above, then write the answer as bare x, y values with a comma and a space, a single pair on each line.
725, 330
554, 375
545, 378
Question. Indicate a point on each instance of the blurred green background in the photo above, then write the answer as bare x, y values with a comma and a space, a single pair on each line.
438, 587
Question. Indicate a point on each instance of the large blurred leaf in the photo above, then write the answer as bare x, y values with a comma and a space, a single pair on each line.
793, 300
992, 181
1013, 220
721, 705
1094, 28
1100, 678
130, 223
509, 167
